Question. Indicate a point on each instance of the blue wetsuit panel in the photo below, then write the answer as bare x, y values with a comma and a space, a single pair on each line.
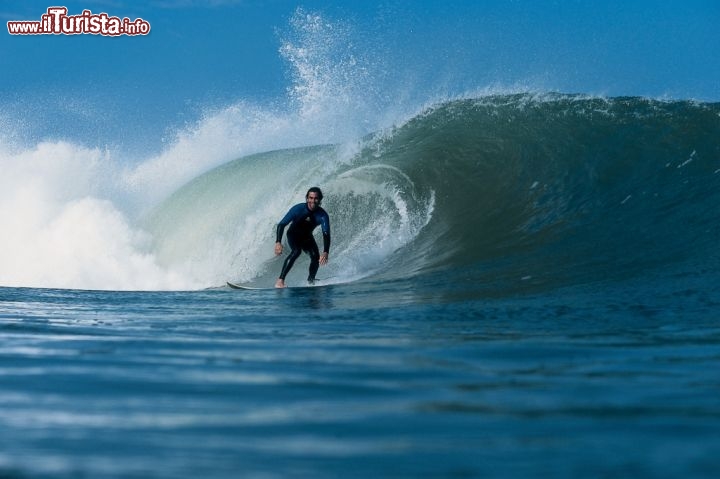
302, 222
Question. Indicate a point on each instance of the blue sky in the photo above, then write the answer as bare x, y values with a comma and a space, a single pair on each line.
202, 55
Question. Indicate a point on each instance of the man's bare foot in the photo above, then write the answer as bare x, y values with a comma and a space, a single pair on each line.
280, 283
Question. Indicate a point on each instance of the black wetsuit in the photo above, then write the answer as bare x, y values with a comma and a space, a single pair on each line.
302, 222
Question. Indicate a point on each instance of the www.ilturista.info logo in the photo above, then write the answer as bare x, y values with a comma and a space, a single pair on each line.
57, 22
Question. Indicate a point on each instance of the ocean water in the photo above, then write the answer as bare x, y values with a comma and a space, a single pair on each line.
522, 283
519, 286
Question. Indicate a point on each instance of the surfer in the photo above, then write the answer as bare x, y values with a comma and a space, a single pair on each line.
303, 218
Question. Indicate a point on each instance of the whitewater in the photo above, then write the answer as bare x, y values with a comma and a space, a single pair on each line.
522, 283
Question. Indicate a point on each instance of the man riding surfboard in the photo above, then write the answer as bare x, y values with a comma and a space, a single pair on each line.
303, 218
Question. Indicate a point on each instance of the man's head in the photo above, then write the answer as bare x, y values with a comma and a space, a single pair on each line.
313, 198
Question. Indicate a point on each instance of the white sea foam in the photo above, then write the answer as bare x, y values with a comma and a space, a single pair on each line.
60, 227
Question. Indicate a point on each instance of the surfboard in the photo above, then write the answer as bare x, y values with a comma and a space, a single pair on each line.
255, 288
242, 286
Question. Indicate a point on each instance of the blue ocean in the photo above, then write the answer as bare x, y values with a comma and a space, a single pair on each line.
522, 283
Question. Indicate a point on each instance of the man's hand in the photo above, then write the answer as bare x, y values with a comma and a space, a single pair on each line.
323, 259
279, 248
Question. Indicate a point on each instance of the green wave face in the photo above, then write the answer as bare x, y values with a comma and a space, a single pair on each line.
558, 188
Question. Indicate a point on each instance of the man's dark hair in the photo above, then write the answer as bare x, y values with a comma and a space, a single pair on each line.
314, 189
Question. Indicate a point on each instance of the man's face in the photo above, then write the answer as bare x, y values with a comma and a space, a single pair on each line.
313, 201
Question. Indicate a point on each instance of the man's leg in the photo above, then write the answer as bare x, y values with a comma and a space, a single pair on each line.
312, 250
289, 262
